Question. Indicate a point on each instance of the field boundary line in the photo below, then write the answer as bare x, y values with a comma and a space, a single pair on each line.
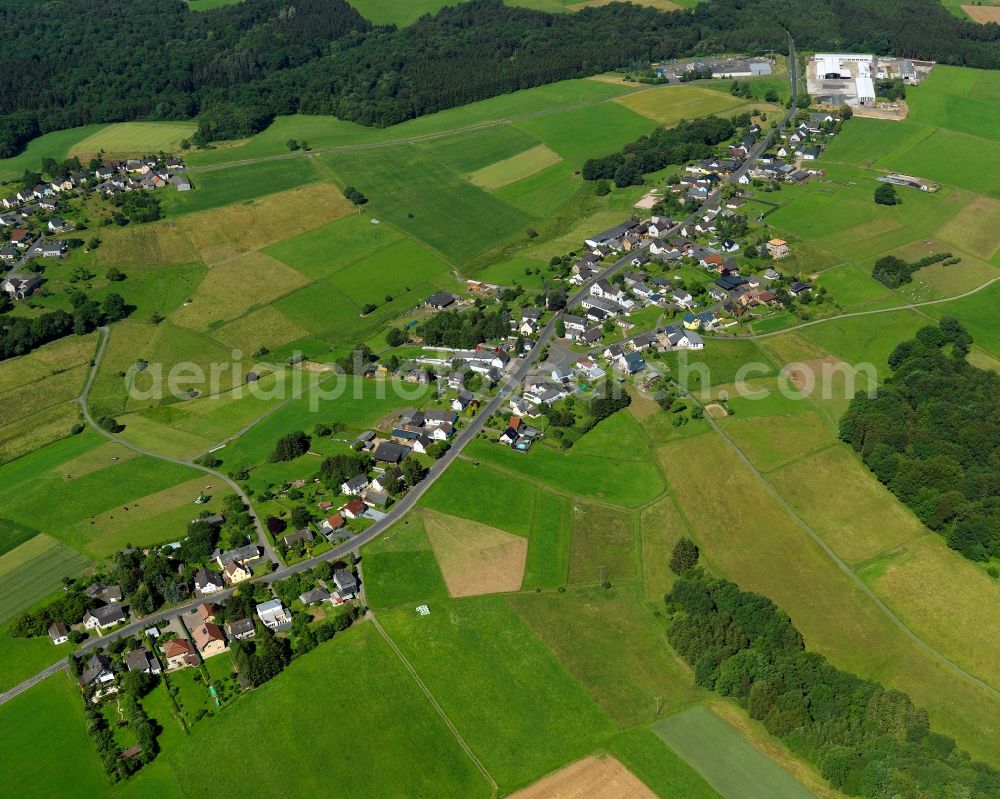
434, 703
846, 569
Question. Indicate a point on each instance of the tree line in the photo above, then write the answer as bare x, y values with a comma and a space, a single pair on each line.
236, 67
688, 141
931, 434
866, 740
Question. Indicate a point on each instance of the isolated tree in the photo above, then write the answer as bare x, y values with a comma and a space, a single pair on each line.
289, 447
114, 308
885, 194
684, 557
355, 196
395, 337
301, 516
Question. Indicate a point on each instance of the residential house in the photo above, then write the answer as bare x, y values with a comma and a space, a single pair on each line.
105, 593
385, 480
332, 523
57, 225
273, 614
347, 584
305, 535
770, 275
314, 596
462, 401
682, 339
142, 659
683, 298
209, 639
353, 509
241, 629
631, 362
179, 654
644, 341
691, 322
58, 632
97, 674
421, 443
103, 617
436, 417
235, 572
799, 287
355, 486
207, 582
242, 555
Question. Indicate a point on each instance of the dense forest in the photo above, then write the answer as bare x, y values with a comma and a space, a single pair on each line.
866, 740
237, 66
932, 435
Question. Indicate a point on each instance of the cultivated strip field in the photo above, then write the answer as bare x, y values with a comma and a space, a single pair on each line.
725, 759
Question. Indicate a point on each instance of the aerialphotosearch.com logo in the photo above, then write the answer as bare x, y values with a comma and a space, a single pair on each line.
690, 373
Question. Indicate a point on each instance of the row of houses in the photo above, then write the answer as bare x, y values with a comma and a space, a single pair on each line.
200, 635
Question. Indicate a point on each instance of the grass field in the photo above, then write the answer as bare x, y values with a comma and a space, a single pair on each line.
398, 12
668, 105
85, 493
506, 503
872, 522
603, 545
326, 132
33, 570
227, 186
769, 553
583, 626
36, 392
661, 525
725, 759
476, 655
424, 198
517, 167
43, 726
400, 567
134, 138
773, 441
235, 286
549, 542
590, 476
651, 760
13, 534
49, 718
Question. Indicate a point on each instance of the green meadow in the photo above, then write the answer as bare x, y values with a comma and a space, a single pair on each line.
477, 656
646, 755
400, 567
325, 132
506, 502
370, 694
595, 477
727, 761
227, 186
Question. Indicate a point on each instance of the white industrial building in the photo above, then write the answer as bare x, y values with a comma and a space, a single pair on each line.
842, 78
